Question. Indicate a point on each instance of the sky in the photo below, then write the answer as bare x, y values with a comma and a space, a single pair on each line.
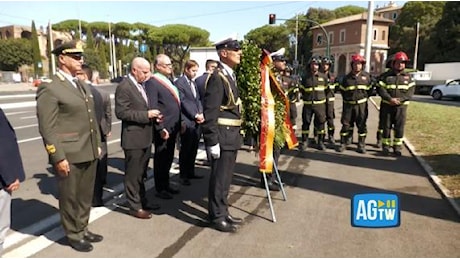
220, 18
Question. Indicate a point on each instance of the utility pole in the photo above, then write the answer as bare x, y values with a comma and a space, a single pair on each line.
110, 52
416, 45
369, 34
52, 60
296, 38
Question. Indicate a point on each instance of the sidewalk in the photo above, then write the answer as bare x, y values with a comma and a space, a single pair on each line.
16, 87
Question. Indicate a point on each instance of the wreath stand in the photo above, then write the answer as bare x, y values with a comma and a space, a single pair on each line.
267, 190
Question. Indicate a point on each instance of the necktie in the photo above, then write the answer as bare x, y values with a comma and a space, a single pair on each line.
142, 90
192, 86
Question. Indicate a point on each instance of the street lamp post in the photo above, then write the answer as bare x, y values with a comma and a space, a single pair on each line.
272, 20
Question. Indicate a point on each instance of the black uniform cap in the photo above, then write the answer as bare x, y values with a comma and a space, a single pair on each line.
72, 47
228, 43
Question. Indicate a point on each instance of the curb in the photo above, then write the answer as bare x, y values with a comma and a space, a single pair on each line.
434, 178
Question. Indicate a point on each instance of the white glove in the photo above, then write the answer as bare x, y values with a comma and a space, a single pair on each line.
215, 151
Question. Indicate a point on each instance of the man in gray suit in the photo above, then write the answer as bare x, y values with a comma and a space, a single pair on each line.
103, 109
132, 108
67, 123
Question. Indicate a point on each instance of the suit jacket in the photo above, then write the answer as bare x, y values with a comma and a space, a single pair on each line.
131, 109
161, 98
217, 94
190, 105
67, 121
11, 167
201, 84
103, 109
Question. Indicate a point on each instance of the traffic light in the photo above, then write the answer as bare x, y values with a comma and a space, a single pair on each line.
271, 18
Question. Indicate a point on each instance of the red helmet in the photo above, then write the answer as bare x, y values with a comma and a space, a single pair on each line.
401, 56
358, 58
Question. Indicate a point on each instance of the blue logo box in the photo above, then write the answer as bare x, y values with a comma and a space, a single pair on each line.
375, 210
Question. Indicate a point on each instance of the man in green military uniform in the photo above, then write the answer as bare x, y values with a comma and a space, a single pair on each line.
67, 123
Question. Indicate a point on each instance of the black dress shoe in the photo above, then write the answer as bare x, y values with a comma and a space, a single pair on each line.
97, 204
224, 226
93, 238
172, 190
164, 195
185, 182
233, 220
151, 206
81, 245
196, 176
142, 214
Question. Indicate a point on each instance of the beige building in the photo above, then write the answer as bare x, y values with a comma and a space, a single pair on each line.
19, 31
390, 11
347, 36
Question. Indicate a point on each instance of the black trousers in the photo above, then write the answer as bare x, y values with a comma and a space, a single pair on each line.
293, 113
101, 175
75, 195
393, 116
136, 163
164, 156
330, 115
219, 184
189, 140
357, 113
308, 111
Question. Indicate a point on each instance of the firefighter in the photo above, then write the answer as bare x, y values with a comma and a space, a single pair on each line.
291, 89
313, 90
396, 87
379, 133
330, 114
355, 88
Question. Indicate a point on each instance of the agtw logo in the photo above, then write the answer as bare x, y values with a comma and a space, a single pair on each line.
375, 210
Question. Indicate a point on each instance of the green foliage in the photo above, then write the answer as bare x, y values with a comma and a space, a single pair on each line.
37, 59
102, 51
248, 77
348, 10
15, 53
269, 37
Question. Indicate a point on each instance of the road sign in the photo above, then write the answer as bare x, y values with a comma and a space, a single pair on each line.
143, 48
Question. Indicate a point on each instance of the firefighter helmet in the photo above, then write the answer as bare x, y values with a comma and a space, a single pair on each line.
327, 60
314, 59
401, 56
358, 58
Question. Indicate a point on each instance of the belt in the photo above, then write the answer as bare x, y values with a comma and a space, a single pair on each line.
229, 122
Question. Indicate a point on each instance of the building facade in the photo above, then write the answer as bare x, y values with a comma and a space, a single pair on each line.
347, 36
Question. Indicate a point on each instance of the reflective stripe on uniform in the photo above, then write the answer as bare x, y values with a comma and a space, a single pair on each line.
229, 122
355, 102
314, 102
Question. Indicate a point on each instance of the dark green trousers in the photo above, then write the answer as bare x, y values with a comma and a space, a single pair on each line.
75, 197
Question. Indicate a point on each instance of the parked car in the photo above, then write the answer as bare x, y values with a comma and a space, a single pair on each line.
37, 82
449, 90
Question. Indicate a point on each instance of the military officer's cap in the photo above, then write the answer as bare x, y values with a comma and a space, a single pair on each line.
228, 43
278, 55
72, 47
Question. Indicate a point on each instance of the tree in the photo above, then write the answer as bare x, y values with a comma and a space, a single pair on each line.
176, 40
403, 33
37, 59
269, 37
15, 53
446, 34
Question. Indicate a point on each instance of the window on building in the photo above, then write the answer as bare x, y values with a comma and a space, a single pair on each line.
7, 34
383, 35
1, 35
319, 39
331, 37
342, 36
375, 34
395, 15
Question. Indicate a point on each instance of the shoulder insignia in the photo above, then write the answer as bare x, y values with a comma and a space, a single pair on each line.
60, 76
50, 148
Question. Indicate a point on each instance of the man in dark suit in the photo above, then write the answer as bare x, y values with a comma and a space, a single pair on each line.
11, 173
103, 109
131, 107
67, 123
164, 96
201, 81
221, 131
192, 115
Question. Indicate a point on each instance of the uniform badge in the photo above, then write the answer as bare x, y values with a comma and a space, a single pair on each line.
363, 77
50, 148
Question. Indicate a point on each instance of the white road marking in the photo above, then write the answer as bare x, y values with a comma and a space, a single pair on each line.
25, 126
17, 113
29, 140
18, 105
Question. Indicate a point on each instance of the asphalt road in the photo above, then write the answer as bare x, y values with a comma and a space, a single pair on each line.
314, 221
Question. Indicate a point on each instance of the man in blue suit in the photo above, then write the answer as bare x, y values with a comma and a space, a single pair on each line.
192, 115
11, 173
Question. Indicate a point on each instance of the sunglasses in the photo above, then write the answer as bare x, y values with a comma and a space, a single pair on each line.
75, 56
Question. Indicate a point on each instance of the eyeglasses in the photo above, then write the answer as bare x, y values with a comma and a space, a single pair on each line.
75, 56
166, 65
